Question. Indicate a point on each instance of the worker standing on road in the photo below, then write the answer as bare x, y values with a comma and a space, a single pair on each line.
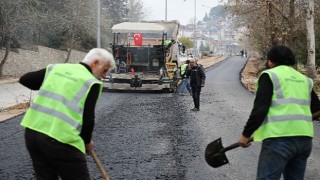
185, 79
282, 118
60, 121
197, 80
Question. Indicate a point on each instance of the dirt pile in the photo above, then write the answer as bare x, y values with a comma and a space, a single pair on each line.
250, 73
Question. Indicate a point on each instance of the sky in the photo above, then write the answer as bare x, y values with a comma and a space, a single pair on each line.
182, 10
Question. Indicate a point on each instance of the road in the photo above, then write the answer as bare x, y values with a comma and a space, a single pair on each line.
156, 136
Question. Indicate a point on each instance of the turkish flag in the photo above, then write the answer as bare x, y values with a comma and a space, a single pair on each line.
137, 39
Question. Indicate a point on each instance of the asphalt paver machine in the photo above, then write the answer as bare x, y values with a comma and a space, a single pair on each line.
146, 55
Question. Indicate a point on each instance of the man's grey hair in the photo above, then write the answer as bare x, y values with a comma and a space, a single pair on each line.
102, 55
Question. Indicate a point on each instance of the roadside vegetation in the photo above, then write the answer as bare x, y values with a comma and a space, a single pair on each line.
294, 23
63, 25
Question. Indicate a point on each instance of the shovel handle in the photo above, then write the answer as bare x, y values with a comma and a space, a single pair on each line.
233, 146
99, 164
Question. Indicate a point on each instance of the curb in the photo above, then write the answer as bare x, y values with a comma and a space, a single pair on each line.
10, 118
240, 76
9, 81
8, 108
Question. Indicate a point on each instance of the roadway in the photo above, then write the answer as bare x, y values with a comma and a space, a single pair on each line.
156, 136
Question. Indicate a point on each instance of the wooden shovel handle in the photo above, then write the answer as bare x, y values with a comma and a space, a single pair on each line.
99, 164
233, 146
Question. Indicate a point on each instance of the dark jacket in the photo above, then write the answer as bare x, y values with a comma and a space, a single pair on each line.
197, 75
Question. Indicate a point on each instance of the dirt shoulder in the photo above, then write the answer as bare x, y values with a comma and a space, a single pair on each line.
255, 66
210, 61
250, 73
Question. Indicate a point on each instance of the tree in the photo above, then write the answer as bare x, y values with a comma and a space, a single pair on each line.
206, 18
311, 39
14, 15
117, 10
66, 25
270, 22
186, 41
136, 11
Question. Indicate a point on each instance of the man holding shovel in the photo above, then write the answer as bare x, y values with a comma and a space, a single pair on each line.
282, 118
60, 121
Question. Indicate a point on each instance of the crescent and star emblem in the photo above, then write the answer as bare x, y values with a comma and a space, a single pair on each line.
136, 36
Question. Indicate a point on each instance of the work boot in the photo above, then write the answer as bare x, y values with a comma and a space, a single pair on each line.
195, 109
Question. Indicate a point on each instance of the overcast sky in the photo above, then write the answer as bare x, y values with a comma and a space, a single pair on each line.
182, 10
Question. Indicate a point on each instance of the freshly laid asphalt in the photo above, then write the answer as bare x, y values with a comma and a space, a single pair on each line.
156, 136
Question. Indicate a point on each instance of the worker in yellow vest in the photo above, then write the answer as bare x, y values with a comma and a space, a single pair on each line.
59, 123
185, 79
282, 118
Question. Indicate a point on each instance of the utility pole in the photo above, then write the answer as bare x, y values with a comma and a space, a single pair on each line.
166, 11
98, 25
194, 28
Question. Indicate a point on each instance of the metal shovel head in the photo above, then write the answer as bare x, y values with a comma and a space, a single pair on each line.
213, 155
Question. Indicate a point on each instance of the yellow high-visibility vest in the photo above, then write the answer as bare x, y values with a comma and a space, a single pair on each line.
183, 69
289, 113
57, 109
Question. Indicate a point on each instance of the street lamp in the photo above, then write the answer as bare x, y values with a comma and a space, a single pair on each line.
98, 24
166, 11
194, 28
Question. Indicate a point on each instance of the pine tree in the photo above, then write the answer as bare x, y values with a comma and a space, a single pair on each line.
117, 9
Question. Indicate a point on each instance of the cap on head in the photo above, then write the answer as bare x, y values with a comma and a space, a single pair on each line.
281, 55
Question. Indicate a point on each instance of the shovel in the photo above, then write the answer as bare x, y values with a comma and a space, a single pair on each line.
99, 164
215, 153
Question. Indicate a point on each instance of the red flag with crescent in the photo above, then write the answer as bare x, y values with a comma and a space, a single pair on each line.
137, 37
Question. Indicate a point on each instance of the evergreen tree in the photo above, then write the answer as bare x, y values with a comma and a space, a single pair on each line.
206, 18
117, 10
135, 11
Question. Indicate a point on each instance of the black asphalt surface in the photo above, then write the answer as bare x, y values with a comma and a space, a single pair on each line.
156, 136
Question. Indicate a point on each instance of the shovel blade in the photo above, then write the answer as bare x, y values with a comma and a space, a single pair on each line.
213, 156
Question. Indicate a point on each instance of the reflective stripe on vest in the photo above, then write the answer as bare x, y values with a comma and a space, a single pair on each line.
57, 114
276, 84
290, 101
73, 104
280, 99
286, 117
